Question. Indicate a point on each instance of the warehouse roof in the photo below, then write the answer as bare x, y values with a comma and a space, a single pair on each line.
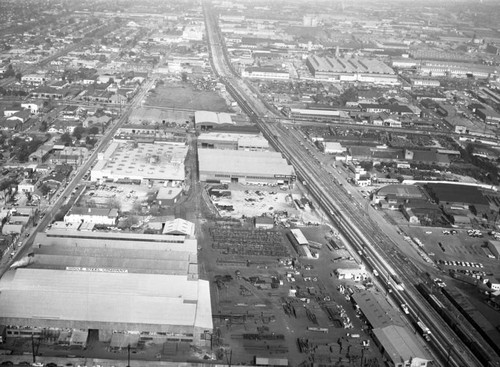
179, 226
133, 261
105, 297
204, 117
457, 193
117, 240
102, 212
399, 344
142, 161
244, 162
377, 310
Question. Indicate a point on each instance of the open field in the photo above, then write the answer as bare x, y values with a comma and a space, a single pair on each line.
184, 97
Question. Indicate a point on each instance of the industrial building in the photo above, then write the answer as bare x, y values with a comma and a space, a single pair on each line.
352, 69
233, 141
455, 69
104, 216
111, 285
207, 120
244, 167
143, 163
265, 73
400, 347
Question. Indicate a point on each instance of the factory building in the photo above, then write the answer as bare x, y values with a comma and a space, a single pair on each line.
119, 287
232, 141
142, 163
244, 167
456, 69
265, 73
339, 68
400, 347
207, 120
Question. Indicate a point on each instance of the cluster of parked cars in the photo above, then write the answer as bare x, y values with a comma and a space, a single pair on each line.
475, 233
478, 274
461, 263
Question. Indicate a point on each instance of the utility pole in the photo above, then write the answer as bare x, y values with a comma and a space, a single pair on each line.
128, 356
33, 347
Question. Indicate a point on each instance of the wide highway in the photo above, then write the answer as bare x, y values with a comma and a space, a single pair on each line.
376, 248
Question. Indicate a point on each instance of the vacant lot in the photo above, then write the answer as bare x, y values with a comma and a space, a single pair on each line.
185, 97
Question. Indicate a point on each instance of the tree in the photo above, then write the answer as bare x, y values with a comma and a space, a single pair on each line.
184, 76
66, 139
9, 72
94, 130
19, 76
78, 131
114, 203
90, 141
349, 95
44, 189
44, 126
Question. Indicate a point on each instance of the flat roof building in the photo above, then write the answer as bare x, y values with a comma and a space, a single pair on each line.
244, 167
232, 141
114, 283
106, 301
141, 162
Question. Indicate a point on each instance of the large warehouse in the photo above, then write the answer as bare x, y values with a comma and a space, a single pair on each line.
232, 141
112, 285
244, 167
207, 120
339, 68
141, 163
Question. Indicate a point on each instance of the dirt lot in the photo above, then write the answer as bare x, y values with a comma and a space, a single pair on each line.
181, 95
254, 201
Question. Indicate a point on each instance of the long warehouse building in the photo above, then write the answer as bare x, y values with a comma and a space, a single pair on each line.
244, 167
112, 285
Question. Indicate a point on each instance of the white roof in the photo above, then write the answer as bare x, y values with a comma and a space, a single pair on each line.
334, 146
399, 344
144, 161
204, 117
243, 162
299, 236
179, 226
105, 297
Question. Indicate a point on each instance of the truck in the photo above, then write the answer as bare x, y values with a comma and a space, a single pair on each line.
424, 330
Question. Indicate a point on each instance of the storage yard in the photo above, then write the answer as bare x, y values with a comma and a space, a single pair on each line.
280, 307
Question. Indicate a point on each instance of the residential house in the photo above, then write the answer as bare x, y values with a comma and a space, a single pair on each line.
48, 93
61, 127
34, 79
10, 125
33, 107
11, 111
21, 116
26, 186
